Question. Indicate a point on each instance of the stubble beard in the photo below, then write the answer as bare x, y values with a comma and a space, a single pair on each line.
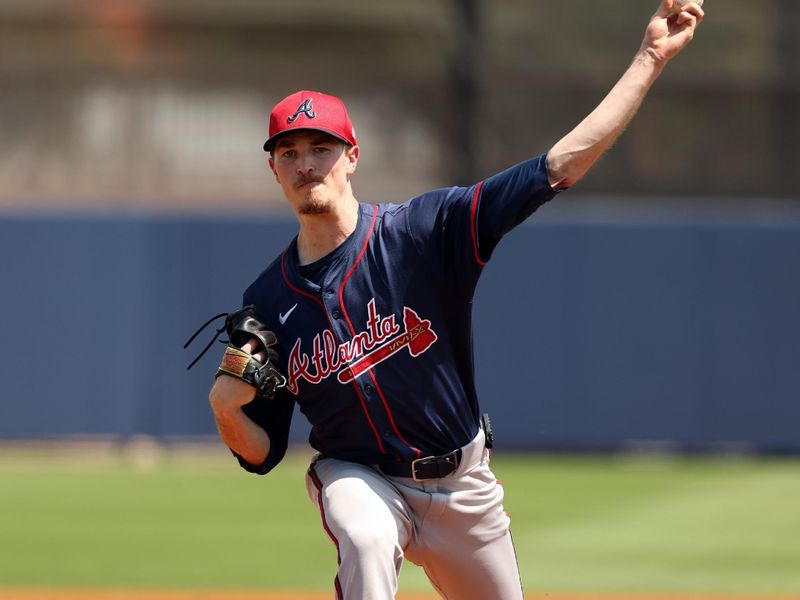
316, 201
314, 205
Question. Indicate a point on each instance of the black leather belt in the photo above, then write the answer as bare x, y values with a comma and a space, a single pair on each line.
428, 467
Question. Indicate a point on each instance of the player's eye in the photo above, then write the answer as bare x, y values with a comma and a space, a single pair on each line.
288, 154
321, 149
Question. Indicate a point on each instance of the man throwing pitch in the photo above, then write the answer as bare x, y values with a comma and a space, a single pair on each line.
371, 306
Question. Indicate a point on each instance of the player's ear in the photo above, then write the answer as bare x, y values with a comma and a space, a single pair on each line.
272, 166
352, 153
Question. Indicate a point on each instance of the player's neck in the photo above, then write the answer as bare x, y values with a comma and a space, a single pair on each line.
321, 234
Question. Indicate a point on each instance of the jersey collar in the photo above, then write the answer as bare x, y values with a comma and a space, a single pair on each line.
342, 265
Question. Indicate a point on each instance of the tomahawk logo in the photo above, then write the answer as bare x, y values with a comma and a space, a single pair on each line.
382, 338
306, 108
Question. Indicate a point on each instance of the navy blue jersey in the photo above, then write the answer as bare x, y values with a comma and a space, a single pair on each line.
377, 344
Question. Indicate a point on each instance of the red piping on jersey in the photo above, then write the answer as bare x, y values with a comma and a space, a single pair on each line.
472, 224
333, 331
293, 288
353, 332
318, 484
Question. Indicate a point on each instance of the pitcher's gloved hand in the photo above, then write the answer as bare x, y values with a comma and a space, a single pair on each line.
258, 367
262, 374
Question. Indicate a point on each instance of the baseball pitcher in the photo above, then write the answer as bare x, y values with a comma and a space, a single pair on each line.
364, 321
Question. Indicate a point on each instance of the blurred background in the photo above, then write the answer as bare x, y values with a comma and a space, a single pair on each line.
162, 104
653, 308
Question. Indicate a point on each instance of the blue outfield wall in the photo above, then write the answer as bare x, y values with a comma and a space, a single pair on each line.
587, 335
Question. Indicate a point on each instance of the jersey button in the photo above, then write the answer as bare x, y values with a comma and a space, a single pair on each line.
335, 313
369, 389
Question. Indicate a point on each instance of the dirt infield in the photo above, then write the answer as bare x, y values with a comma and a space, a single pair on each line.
55, 594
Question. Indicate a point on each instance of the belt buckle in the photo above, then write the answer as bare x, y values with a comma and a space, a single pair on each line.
451, 458
414, 467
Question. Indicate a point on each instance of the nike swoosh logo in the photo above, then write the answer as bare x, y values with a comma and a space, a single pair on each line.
282, 318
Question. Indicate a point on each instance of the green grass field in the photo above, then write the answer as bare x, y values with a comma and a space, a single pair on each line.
580, 524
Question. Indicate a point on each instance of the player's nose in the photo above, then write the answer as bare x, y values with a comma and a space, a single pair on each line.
305, 163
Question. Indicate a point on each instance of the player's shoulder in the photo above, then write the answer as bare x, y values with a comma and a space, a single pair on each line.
423, 204
267, 280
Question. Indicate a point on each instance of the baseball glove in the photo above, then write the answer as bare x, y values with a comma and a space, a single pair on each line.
242, 326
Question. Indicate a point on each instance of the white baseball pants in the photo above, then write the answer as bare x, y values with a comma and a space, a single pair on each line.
454, 527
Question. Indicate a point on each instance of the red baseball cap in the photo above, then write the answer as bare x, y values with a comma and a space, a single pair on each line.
310, 110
